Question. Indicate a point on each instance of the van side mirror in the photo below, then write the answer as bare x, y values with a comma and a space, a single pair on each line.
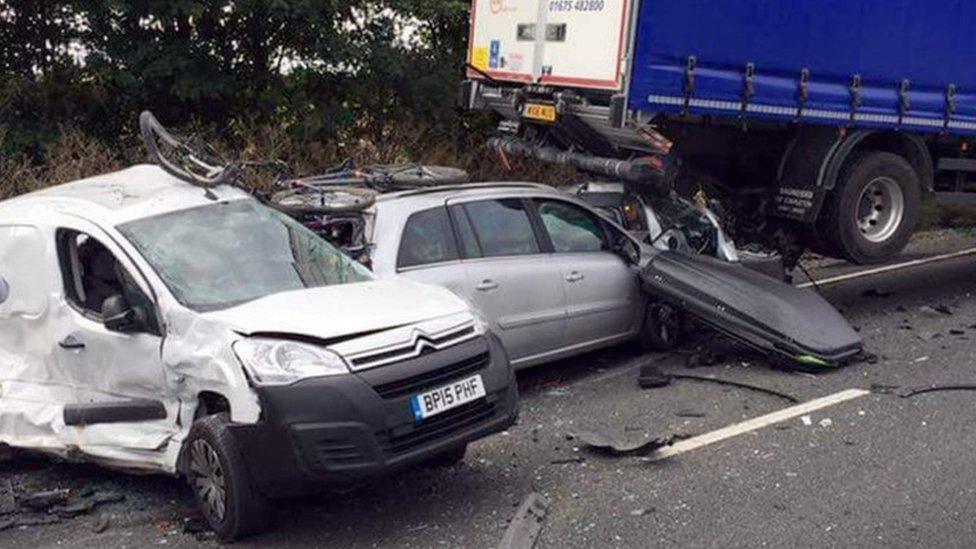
119, 316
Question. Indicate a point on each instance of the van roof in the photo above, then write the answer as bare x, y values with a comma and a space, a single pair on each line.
133, 193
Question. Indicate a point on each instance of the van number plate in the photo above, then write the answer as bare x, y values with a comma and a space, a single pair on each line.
445, 398
544, 113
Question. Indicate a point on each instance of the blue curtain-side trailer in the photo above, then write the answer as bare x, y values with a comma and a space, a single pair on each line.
817, 123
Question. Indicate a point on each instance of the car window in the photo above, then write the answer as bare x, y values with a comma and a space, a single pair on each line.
470, 247
571, 228
427, 238
502, 227
224, 254
92, 274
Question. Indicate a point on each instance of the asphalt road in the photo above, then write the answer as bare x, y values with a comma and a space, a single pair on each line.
876, 471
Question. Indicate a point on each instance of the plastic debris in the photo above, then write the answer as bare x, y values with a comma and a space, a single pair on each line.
909, 393
608, 444
525, 527
746, 386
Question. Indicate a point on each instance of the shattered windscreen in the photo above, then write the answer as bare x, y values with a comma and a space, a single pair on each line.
217, 256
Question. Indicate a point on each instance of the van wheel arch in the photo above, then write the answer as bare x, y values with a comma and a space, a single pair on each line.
210, 403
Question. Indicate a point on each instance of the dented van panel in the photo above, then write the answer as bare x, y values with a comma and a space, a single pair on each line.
149, 325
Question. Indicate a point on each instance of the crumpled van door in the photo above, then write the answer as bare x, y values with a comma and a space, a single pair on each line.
117, 400
763, 313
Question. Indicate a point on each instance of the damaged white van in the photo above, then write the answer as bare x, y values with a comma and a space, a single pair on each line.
151, 325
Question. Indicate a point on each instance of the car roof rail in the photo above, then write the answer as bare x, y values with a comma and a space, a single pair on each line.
465, 187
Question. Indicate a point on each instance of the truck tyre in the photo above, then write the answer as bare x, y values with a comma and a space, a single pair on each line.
221, 484
873, 212
662, 328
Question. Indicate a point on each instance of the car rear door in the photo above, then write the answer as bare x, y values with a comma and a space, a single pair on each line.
511, 280
428, 251
603, 299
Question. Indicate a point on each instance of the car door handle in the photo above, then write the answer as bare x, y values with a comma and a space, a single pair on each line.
574, 276
71, 343
487, 285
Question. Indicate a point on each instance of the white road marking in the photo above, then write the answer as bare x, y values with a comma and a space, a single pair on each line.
889, 268
757, 423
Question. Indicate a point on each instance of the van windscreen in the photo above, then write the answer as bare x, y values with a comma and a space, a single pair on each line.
224, 254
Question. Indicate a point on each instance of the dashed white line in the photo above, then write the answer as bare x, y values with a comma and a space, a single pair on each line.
757, 423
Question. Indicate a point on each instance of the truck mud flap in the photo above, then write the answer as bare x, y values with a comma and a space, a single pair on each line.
756, 310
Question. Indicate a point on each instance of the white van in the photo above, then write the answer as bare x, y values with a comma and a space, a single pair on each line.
148, 324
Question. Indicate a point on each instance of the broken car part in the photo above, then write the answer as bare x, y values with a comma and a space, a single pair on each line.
526, 526
608, 444
153, 327
765, 314
729, 383
909, 393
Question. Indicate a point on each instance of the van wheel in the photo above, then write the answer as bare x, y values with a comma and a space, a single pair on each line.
223, 490
662, 329
874, 210
449, 458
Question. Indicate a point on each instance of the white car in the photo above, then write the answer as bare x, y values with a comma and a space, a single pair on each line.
551, 276
148, 324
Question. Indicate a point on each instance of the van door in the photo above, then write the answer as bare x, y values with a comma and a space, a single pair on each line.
120, 399
577, 43
514, 284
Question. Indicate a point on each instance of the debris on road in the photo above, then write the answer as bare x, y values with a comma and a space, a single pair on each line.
737, 384
525, 527
49, 506
651, 377
608, 444
877, 293
909, 393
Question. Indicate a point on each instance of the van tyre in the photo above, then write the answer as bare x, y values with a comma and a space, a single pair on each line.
662, 329
873, 212
222, 487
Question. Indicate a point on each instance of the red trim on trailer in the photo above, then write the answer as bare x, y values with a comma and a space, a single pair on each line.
559, 80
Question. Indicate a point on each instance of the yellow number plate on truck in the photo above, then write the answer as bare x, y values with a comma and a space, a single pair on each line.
544, 113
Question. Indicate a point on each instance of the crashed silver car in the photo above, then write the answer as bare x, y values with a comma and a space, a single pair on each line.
150, 325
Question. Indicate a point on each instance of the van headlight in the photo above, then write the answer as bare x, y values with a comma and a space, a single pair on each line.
282, 362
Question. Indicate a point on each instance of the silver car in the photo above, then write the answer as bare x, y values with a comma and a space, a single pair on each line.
551, 275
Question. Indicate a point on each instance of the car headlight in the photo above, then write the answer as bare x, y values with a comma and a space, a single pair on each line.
281, 362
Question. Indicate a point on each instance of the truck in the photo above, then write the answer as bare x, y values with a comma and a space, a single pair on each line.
818, 124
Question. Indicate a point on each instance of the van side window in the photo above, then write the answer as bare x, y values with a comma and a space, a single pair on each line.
24, 291
92, 274
502, 227
427, 239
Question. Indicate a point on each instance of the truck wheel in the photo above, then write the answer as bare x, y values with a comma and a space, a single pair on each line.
875, 208
221, 485
662, 329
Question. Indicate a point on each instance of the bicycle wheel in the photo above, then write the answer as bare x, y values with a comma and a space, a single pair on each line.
324, 200
408, 176
200, 165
